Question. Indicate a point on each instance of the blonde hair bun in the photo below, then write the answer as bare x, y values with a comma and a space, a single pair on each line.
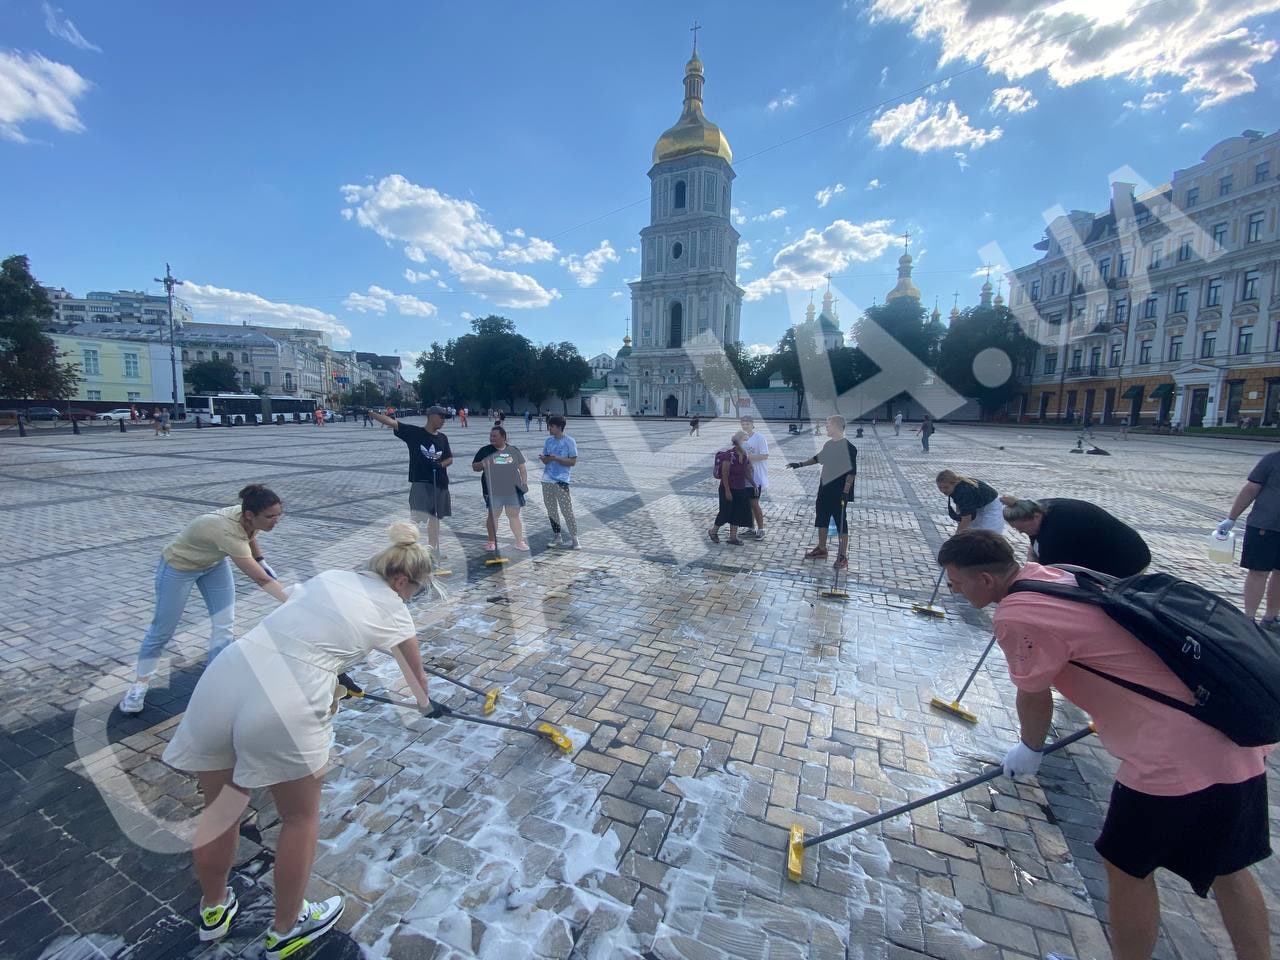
402, 533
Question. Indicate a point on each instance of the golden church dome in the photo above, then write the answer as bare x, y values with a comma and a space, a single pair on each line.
693, 132
904, 287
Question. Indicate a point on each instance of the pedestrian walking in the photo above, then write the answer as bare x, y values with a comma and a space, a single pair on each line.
1124, 427
1260, 555
897, 423
155, 422
504, 481
694, 423
1076, 532
164, 423
757, 447
261, 716
133, 413
368, 420
925, 431
733, 470
462, 417
317, 416
201, 556
839, 460
429, 459
971, 503
1186, 797
559, 455
528, 419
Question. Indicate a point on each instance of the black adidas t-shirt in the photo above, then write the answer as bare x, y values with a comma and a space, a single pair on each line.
426, 450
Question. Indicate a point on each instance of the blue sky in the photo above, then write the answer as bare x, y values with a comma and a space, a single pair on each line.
390, 171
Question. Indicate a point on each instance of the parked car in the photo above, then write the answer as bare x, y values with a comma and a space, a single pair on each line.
42, 413
77, 413
119, 413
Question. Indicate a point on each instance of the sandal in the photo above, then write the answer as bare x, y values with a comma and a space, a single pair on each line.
735, 541
817, 553
842, 562
714, 534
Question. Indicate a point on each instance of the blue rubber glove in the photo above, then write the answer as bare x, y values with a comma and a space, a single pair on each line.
1225, 527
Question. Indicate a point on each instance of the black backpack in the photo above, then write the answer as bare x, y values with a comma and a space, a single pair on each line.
1229, 663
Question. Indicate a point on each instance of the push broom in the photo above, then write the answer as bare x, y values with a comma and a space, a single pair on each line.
490, 696
929, 610
797, 844
954, 705
544, 730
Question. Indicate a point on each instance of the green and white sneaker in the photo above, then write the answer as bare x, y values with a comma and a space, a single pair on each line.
315, 920
216, 921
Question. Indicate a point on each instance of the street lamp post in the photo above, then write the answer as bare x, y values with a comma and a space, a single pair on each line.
169, 283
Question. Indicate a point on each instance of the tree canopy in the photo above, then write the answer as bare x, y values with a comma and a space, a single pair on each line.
976, 330
30, 363
212, 376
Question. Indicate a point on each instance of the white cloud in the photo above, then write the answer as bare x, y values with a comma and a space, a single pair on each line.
745, 257
633, 249
1012, 100
923, 126
777, 213
62, 27
587, 268
962, 160
783, 101
1149, 101
884, 75
431, 224
617, 294
759, 349
233, 306
1205, 44
33, 88
738, 216
534, 251
379, 298
803, 263
824, 195
874, 183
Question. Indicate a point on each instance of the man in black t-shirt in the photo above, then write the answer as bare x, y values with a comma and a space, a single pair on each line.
839, 459
1080, 533
429, 459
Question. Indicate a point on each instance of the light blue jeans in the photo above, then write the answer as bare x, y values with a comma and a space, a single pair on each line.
173, 587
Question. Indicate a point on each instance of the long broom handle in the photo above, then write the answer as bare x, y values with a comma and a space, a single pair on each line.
991, 774
461, 716
459, 683
976, 667
936, 585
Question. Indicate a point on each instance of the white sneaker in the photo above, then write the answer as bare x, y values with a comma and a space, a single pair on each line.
314, 922
134, 700
556, 541
573, 544
215, 921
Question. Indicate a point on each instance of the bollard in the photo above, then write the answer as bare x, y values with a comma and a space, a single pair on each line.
22, 430
199, 425
122, 429
75, 426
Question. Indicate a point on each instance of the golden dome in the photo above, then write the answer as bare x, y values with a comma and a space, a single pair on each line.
904, 288
693, 132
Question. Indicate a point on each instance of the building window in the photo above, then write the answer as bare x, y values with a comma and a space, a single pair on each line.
134, 397
1219, 236
244, 356
1122, 269
1076, 356
215, 355
1193, 196
1121, 313
1213, 293
1224, 185
1208, 340
185, 356
675, 332
1104, 269
1100, 314
1095, 361
1244, 340
288, 381
93, 394
131, 365
1254, 233
1184, 247
1180, 299
679, 202
1115, 355
245, 376
1035, 290
199, 356
1157, 251
1261, 171
677, 250
1175, 347
1144, 351
1149, 308
266, 378
1050, 363
1249, 288
92, 363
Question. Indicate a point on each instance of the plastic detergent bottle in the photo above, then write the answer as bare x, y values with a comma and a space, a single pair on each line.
831, 528
1222, 547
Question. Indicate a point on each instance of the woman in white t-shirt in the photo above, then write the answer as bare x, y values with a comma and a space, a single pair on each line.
201, 557
260, 717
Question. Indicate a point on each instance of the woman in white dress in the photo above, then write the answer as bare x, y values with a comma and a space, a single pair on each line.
973, 504
260, 717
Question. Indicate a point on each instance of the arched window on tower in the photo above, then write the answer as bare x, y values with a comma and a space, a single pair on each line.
675, 331
679, 202
728, 318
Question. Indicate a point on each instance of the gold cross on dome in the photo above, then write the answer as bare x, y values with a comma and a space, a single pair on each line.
694, 30
906, 241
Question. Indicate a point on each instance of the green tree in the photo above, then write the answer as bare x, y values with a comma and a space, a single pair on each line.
30, 367
974, 331
212, 376
568, 373
493, 361
437, 378
749, 367
720, 377
395, 397
365, 394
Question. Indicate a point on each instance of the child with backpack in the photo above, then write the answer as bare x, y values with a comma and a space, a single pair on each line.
1164, 691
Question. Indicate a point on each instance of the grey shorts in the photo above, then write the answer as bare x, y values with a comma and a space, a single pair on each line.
428, 500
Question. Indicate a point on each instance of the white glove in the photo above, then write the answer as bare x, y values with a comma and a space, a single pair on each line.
271, 573
1022, 760
1225, 527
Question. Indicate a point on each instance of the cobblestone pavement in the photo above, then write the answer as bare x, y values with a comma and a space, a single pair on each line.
713, 696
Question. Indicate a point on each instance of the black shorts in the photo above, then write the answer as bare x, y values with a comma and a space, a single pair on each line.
1199, 836
428, 500
1261, 550
831, 503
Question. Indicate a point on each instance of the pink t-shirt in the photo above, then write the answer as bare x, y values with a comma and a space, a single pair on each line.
1162, 751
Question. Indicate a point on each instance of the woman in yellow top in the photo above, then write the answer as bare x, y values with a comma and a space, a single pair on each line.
199, 557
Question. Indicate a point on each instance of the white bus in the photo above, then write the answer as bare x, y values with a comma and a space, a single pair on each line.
218, 408
293, 409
